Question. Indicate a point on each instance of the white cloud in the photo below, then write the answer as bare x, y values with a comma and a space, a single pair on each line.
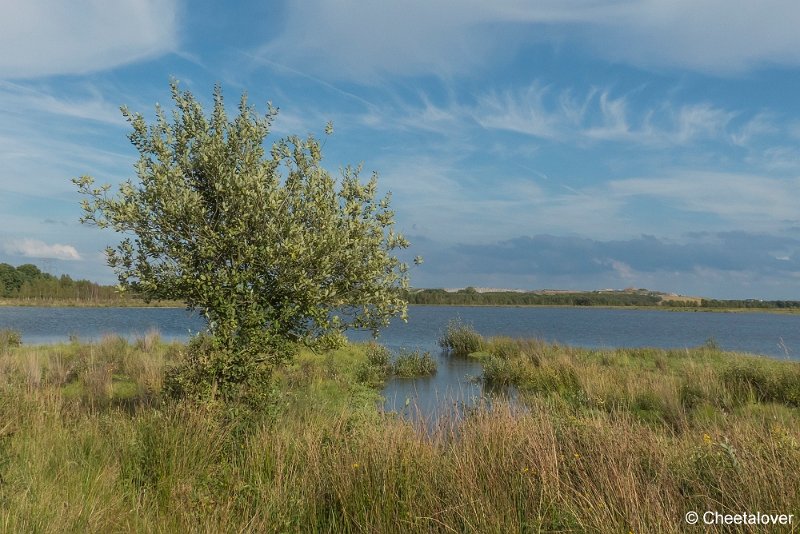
436, 198
747, 201
526, 112
700, 121
47, 37
714, 35
32, 248
15, 98
442, 198
780, 158
614, 116
540, 112
760, 125
364, 39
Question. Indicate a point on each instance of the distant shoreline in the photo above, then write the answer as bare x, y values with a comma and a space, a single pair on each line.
36, 303
68, 303
784, 311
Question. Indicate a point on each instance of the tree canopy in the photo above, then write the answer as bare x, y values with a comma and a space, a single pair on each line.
265, 243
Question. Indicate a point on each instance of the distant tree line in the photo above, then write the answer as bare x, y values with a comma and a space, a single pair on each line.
750, 303
29, 282
471, 297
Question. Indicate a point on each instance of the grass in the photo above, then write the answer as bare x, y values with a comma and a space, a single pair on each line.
9, 338
378, 366
598, 441
116, 302
412, 364
460, 339
673, 384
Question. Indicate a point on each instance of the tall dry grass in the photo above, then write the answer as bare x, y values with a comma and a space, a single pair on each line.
598, 441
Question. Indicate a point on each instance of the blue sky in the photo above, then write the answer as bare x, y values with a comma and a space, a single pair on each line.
577, 144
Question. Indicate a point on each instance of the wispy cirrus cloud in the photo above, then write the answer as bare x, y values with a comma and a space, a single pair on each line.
47, 37
33, 248
366, 41
90, 105
529, 112
760, 125
750, 200
542, 112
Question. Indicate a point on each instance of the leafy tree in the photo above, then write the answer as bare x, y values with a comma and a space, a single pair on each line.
268, 246
10, 279
29, 272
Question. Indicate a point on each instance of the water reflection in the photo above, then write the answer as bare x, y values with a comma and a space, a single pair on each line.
442, 398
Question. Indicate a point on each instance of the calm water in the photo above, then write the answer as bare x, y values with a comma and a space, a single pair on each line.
454, 385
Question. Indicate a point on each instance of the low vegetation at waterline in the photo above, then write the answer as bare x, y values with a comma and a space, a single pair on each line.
378, 366
411, 364
667, 386
461, 339
596, 441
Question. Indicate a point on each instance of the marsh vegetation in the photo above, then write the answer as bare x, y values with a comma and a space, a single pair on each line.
597, 440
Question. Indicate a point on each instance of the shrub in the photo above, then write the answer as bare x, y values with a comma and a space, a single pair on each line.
210, 372
461, 339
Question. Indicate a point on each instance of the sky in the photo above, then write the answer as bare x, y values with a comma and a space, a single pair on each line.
577, 144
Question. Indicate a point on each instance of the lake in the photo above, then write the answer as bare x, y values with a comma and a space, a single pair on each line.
775, 335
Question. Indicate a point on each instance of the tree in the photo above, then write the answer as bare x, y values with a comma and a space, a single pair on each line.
29, 272
10, 279
269, 247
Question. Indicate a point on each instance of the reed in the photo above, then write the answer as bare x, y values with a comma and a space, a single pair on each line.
460, 339
410, 364
596, 441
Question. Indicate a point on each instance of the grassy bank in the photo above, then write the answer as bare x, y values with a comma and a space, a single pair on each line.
45, 302
600, 441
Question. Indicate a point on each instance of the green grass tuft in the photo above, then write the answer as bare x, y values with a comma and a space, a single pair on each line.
460, 339
414, 364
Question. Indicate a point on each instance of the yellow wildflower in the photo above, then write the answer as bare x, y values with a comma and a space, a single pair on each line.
707, 439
